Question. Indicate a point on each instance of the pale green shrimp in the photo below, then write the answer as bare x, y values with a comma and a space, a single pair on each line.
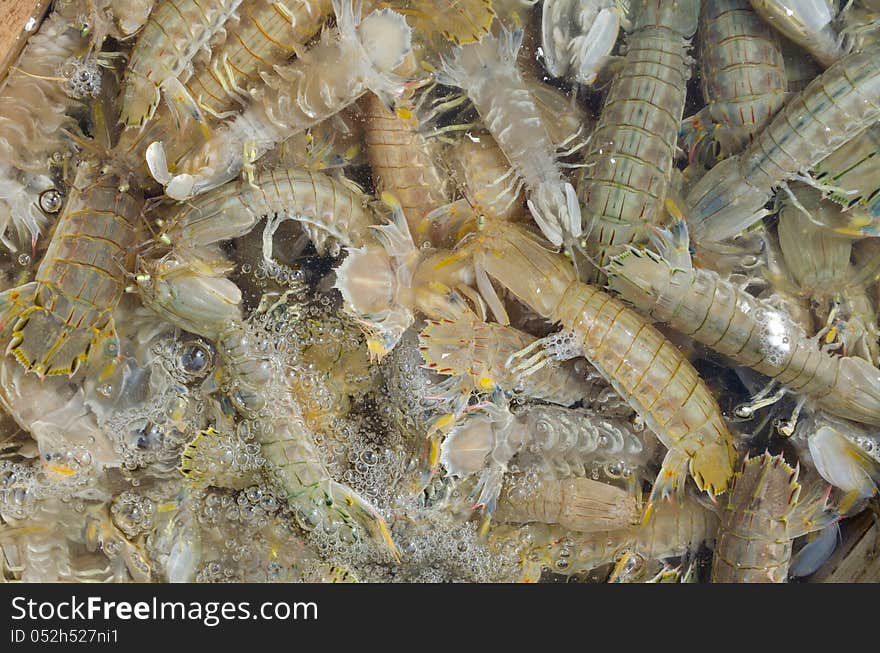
630, 161
831, 110
722, 315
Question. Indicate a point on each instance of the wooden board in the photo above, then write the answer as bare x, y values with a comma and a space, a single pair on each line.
857, 559
862, 565
18, 20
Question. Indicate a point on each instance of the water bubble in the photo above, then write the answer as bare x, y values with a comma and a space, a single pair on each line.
196, 358
150, 436
51, 200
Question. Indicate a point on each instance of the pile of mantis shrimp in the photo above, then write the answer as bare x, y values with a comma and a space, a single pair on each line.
439, 290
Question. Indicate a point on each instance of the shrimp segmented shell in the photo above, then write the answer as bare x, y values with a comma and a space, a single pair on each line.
743, 73
851, 172
68, 309
632, 148
404, 162
293, 283
578, 504
487, 71
721, 315
566, 442
640, 363
674, 530
761, 516
326, 207
175, 32
834, 108
345, 64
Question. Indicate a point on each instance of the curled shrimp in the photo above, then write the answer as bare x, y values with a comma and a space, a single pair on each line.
488, 73
331, 210
175, 32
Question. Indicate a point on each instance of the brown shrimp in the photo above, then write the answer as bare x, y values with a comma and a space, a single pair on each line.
404, 162
56, 319
578, 504
641, 364
760, 518
487, 180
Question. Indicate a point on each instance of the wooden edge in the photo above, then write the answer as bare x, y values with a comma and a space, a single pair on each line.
862, 565
856, 559
18, 20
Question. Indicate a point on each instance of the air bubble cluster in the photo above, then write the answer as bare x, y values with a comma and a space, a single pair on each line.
82, 77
